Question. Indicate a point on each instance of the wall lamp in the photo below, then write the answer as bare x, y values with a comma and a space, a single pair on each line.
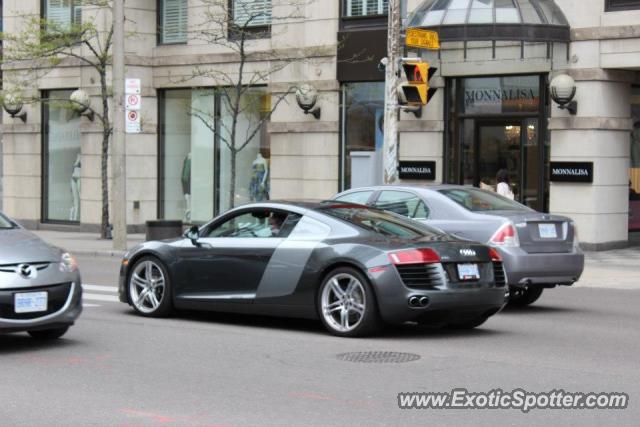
563, 90
13, 105
81, 103
307, 96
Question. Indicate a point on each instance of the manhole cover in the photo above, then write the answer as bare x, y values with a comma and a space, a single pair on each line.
378, 357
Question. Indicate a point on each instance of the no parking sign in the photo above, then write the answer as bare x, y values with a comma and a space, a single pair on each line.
132, 122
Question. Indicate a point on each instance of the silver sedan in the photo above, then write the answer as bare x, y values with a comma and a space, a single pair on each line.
40, 286
538, 250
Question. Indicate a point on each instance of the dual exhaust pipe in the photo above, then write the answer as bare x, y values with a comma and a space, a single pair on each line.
418, 302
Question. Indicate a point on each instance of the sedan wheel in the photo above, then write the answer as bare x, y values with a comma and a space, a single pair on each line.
346, 303
149, 288
519, 297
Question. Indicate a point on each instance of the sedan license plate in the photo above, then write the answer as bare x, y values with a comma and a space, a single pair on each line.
468, 272
547, 231
30, 302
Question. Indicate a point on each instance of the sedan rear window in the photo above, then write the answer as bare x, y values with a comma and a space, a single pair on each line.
381, 222
477, 200
5, 223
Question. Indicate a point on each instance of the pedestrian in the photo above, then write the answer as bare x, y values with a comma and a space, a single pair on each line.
503, 188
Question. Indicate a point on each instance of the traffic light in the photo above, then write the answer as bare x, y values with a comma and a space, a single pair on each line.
417, 91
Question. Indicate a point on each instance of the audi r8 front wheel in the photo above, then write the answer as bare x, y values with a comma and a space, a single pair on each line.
149, 288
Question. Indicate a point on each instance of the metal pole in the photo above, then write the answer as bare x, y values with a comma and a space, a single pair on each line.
390, 146
118, 157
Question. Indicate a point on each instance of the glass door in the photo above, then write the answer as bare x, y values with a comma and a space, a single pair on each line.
511, 146
498, 148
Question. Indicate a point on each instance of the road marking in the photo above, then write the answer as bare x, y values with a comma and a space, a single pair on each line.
100, 288
98, 297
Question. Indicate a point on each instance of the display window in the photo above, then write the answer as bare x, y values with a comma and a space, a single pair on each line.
62, 160
204, 168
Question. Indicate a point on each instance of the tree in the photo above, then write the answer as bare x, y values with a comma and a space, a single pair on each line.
236, 27
44, 44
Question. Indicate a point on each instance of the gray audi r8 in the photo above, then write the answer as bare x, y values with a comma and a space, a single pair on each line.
349, 265
539, 250
40, 286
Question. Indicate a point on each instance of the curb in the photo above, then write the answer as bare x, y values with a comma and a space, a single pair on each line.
101, 254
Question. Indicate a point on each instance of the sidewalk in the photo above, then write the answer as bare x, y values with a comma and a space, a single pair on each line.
86, 244
616, 269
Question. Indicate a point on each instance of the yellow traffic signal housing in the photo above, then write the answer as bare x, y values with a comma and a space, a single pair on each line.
417, 91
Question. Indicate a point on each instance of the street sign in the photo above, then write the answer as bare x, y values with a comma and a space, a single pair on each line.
132, 86
132, 102
422, 39
132, 122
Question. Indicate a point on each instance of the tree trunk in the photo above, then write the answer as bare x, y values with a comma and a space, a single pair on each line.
106, 132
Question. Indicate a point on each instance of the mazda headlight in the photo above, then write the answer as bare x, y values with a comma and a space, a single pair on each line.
68, 263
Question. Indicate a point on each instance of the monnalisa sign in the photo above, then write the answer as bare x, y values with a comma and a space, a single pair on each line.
571, 172
417, 170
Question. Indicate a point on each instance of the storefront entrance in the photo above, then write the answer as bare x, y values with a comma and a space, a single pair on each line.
494, 124
511, 145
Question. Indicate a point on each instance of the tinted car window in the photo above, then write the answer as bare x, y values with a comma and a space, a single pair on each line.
402, 203
359, 197
380, 222
257, 223
479, 201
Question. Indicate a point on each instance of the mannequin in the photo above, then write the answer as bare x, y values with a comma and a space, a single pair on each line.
186, 186
259, 186
74, 214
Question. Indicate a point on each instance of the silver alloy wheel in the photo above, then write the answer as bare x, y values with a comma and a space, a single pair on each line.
146, 286
343, 302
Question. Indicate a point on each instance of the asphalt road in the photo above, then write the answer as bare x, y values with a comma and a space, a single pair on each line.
114, 368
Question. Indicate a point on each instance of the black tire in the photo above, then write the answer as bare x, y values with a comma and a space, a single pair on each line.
519, 297
468, 324
164, 297
369, 322
48, 334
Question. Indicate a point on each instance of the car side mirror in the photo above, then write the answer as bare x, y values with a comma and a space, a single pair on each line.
193, 234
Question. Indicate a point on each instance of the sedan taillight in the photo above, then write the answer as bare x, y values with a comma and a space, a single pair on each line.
414, 256
505, 236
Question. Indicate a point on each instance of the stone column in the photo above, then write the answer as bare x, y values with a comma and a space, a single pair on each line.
598, 133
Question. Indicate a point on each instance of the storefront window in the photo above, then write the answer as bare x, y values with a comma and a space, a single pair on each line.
188, 155
362, 134
499, 95
634, 170
197, 153
62, 164
245, 162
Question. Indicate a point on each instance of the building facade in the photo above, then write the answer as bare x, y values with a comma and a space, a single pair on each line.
492, 109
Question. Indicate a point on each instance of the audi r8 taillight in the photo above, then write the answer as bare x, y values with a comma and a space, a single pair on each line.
495, 255
414, 256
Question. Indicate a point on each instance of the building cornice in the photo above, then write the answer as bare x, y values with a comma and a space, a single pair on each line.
605, 33
590, 123
304, 127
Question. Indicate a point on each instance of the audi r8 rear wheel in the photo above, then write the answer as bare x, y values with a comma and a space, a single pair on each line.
149, 288
346, 303
519, 297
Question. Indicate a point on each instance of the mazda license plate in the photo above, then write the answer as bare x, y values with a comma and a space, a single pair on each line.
468, 272
30, 302
547, 231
